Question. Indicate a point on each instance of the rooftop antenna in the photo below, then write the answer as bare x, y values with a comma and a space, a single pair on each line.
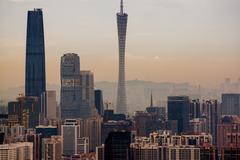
121, 7
151, 105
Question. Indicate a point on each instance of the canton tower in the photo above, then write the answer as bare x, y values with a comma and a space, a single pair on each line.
121, 92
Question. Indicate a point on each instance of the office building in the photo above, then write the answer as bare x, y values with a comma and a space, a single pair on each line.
87, 94
25, 111
143, 123
35, 80
70, 99
12, 133
49, 105
109, 115
99, 102
36, 139
69, 133
198, 125
100, 152
231, 104
179, 111
47, 131
83, 145
195, 109
16, 151
117, 146
121, 91
110, 126
91, 128
228, 132
230, 153
52, 148
211, 112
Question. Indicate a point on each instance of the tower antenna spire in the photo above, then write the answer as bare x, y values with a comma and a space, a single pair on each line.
121, 7
151, 104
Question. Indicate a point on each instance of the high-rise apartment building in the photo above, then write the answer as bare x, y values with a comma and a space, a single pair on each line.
70, 86
19, 151
35, 81
228, 131
211, 112
230, 104
195, 109
121, 92
52, 148
179, 112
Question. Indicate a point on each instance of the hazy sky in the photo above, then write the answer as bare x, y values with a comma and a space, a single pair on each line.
197, 41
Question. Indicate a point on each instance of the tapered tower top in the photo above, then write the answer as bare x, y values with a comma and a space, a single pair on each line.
121, 6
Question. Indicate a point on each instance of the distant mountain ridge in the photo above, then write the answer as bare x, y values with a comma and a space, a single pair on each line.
137, 91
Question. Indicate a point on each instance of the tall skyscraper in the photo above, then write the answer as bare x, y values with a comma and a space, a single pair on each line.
99, 102
70, 86
121, 93
179, 112
210, 111
35, 81
49, 105
87, 94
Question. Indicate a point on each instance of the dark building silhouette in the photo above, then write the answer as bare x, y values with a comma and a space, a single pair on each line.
195, 109
25, 111
47, 131
178, 112
2, 137
99, 102
117, 146
36, 139
35, 80
110, 126
231, 104
110, 115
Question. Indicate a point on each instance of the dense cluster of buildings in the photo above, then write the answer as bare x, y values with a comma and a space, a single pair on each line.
80, 127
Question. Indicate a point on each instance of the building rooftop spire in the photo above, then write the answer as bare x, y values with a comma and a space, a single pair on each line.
121, 7
151, 104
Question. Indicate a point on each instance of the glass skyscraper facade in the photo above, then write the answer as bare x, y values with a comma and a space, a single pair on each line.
35, 80
121, 93
179, 111
70, 86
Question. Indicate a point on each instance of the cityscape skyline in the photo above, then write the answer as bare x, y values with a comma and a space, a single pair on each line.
80, 119
185, 60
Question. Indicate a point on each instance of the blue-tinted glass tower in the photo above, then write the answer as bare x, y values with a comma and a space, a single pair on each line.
35, 81
70, 86
121, 93
179, 111
99, 102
